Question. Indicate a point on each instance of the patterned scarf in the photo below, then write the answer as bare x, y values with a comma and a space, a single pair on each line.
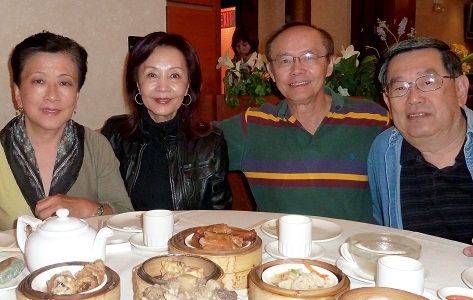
22, 160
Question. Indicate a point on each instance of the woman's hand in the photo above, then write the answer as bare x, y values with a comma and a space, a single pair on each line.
78, 207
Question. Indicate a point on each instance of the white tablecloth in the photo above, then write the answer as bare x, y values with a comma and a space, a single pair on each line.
442, 258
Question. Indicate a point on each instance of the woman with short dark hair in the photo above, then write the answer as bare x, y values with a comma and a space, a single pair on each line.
48, 161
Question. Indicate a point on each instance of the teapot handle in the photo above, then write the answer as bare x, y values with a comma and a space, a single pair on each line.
21, 229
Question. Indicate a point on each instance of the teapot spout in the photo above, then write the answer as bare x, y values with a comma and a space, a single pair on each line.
100, 242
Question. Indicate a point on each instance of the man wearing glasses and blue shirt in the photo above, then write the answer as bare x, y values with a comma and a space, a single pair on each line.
308, 154
420, 171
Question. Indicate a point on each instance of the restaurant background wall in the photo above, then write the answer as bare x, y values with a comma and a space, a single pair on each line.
447, 26
331, 15
102, 27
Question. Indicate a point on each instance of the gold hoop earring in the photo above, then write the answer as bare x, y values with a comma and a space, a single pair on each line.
136, 99
190, 100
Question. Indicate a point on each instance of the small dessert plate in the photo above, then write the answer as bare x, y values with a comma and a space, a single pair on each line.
450, 292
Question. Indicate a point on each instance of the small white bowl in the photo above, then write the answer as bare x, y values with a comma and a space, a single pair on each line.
278, 269
39, 282
451, 291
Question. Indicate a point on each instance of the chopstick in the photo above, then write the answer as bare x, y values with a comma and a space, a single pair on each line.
257, 224
10, 249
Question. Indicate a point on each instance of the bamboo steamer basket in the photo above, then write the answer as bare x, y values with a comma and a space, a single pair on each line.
236, 264
258, 289
366, 293
144, 275
110, 291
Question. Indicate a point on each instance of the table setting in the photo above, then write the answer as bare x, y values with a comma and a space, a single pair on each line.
446, 269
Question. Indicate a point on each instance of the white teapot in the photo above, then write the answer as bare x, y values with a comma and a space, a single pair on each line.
60, 239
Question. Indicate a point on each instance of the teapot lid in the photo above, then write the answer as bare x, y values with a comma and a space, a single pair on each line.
62, 222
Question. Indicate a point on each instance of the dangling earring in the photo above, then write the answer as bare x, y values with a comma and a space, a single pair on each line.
190, 100
136, 99
20, 111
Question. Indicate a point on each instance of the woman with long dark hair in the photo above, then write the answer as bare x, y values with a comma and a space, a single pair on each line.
167, 159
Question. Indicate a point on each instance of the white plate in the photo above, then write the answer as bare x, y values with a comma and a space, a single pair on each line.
187, 240
450, 291
282, 268
467, 277
39, 282
15, 281
130, 221
272, 249
322, 231
137, 241
6, 240
352, 270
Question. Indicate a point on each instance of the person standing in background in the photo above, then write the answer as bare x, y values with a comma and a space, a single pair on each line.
244, 44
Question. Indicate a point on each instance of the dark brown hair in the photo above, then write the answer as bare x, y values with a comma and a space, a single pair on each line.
139, 53
47, 42
245, 35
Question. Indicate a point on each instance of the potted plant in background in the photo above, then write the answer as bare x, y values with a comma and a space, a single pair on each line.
465, 58
250, 80
353, 78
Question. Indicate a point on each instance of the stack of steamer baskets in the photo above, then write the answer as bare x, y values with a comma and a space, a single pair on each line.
236, 264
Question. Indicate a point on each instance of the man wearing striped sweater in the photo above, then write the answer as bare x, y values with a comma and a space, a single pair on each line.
307, 155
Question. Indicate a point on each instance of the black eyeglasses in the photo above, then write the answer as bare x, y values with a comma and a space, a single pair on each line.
426, 83
308, 59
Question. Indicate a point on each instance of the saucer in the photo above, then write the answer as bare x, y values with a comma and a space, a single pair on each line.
352, 270
272, 249
137, 241
130, 221
467, 277
322, 230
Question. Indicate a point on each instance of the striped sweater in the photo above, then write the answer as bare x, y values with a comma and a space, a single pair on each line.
292, 171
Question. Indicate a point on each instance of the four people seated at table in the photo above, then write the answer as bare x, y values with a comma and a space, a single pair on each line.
167, 159
48, 161
421, 170
307, 155
319, 139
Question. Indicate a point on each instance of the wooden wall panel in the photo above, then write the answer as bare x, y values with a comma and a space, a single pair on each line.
200, 25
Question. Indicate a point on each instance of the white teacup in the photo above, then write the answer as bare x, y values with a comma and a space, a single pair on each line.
158, 227
295, 236
400, 272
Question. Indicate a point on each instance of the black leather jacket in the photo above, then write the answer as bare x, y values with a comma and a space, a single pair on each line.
197, 168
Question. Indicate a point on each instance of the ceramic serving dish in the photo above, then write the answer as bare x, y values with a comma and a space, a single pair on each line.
33, 285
